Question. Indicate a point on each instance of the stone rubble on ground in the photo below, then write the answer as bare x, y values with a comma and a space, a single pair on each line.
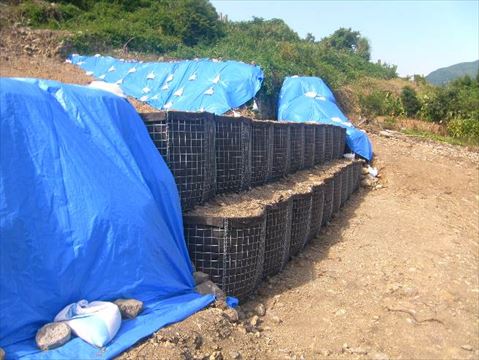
209, 287
53, 335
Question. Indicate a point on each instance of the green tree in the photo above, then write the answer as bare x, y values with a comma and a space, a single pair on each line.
410, 102
348, 40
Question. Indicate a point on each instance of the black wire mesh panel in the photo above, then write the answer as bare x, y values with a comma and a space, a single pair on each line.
328, 200
357, 174
344, 184
300, 222
281, 150
277, 236
187, 143
309, 145
342, 142
261, 152
319, 143
336, 192
336, 141
230, 251
296, 147
233, 154
317, 208
328, 143
350, 179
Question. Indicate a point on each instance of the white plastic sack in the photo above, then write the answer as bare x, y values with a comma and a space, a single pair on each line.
113, 88
97, 322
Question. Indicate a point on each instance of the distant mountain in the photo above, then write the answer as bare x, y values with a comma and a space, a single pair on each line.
444, 75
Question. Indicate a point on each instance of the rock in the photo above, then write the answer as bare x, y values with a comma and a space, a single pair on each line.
364, 171
209, 287
200, 277
241, 315
340, 312
53, 335
276, 319
379, 356
358, 350
260, 310
235, 355
231, 315
366, 183
2, 354
254, 321
216, 355
467, 347
129, 308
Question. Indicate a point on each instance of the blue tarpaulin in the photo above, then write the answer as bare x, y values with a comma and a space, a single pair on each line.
190, 85
88, 210
310, 99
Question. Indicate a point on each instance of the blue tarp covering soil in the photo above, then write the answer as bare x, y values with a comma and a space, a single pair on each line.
310, 99
89, 210
190, 85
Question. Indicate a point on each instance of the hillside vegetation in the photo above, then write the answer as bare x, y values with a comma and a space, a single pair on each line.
192, 28
447, 74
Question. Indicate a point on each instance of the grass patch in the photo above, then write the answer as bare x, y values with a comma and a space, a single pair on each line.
441, 138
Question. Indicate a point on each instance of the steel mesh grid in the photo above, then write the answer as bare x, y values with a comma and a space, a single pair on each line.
233, 154
300, 222
278, 226
317, 208
281, 150
232, 254
309, 145
261, 152
344, 184
357, 175
328, 143
351, 177
336, 141
336, 192
319, 143
342, 141
296, 147
328, 200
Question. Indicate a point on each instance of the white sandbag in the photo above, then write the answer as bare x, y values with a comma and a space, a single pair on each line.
97, 322
113, 88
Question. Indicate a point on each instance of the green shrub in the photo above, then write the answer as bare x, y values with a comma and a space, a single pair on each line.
464, 129
410, 102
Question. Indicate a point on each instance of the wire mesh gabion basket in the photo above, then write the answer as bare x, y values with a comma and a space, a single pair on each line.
261, 152
337, 191
300, 222
317, 208
342, 142
187, 143
328, 143
281, 150
296, 147
328, 200
350, 179
233, 154
277, 236
336, 141
309, 145
229, 250
344, 184
357, 166
319, 143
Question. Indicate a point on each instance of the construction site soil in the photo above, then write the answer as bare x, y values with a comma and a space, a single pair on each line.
394, 276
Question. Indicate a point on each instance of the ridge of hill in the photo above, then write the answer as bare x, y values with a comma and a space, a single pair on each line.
447, 74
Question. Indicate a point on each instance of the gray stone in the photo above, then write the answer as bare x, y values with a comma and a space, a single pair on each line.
235, 355
260, 310
2, 354
467, 347
53, 335
276, 319
129, 308
209, 287
254, 321
231, 315
200, 277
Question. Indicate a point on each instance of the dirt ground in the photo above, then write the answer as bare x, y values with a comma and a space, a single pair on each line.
394, 276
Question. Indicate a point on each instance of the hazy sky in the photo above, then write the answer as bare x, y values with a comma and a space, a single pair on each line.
418, 36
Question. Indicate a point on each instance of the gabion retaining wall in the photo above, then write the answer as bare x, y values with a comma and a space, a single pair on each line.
317, 208
300, 222
297, 142
230, 251
336, 192
309, 145
351, 178
261, 152
319, 144
342, 142
277, 236
233, 154
281, 150
328, 200
328, 143
344, 184
187, 143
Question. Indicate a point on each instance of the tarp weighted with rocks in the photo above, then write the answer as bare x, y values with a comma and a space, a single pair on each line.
84, 215
309, 99
189, 85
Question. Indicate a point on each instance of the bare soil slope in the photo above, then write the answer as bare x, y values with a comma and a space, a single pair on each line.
395, 275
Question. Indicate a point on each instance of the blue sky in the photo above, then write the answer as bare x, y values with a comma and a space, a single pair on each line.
418, 36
